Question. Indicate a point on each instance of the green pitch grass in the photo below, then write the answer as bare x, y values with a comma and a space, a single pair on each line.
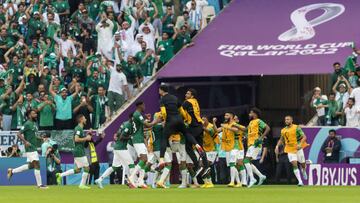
220, 194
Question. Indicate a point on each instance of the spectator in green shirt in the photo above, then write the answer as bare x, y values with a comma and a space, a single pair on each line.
46, 109
165, 49
338, 71
63, 107
182, 39
133, 74
35, 24
146, 61
100, 106
168, 21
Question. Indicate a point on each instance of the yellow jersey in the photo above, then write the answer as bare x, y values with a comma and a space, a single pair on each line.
192, 112
255, 129
240, 136
228, 138
291, 135
209, 139
175, 137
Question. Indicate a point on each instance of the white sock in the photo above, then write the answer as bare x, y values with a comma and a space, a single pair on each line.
84, 178
106, 173
194, 179
183, 176
37, 177
256, 171
21, 168
131, 170
156, 175
249, 171
167, 180
243, 177
232, 174
164, 175
67, 173
237, 178
134, 172
297, 174
141, 176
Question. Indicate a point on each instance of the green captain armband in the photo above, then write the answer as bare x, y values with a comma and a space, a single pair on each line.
258, 142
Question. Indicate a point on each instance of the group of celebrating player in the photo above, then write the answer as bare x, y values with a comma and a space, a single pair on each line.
180, 129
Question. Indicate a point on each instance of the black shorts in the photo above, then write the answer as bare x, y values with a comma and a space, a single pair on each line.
174, 125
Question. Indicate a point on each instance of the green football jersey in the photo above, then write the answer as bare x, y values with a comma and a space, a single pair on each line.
138, 125
123, 136
29, 130
79, 149
158, 133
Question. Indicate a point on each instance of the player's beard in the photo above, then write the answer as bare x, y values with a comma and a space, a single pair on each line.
226, 120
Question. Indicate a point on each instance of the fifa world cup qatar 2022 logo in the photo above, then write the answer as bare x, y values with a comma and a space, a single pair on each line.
304, 29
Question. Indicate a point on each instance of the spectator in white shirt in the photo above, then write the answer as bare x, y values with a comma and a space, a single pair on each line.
356, 94
120, 47
105, 33
136, 47
118, 86
195, 16
352, 114
50, 9
148, 32
11, 8
128, 30
200, 4
66, 45
319, 103
342, 90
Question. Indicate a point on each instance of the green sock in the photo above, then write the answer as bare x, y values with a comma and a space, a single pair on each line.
147, 168
141, 164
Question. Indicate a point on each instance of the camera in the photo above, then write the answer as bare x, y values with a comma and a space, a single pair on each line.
53, 149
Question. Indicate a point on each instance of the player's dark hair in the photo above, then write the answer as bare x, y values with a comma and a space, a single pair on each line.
164, 88
78, 117
28, 112
193, 92
332, 94
46, 134
101, 86
289, 116
352, 99
231, 113
336, 63
256, 111
332, 131
139, 103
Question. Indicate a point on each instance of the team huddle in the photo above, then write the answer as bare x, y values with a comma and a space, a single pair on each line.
178, 128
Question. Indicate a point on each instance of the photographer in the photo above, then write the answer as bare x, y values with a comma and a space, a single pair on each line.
13, 151
50, 151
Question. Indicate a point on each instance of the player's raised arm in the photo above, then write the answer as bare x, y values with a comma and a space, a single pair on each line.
215, 127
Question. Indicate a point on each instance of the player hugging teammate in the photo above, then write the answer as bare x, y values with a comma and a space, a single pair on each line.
145, 145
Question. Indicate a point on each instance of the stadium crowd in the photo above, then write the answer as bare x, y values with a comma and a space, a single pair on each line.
89, 61
341, 107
